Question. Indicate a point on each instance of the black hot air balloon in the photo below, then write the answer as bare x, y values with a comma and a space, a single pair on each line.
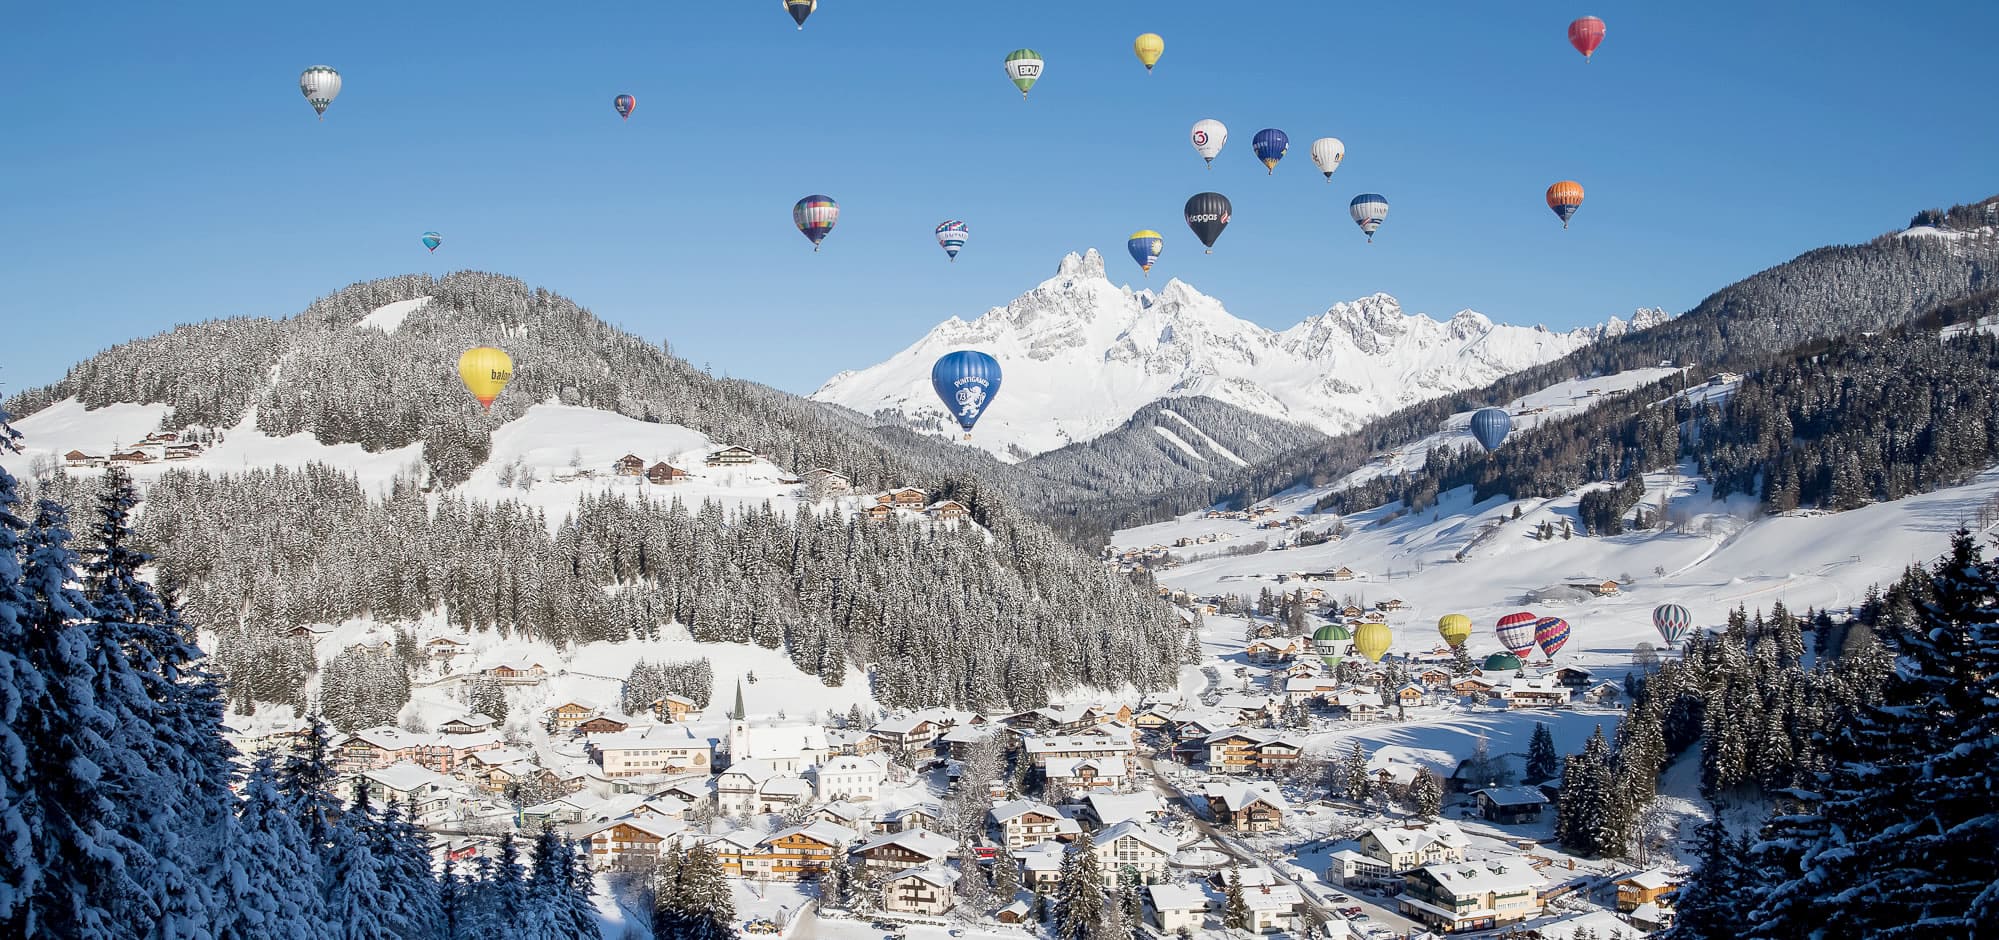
1207, 215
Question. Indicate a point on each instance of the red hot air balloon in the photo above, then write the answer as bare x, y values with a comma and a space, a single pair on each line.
1586, 34
1516, 632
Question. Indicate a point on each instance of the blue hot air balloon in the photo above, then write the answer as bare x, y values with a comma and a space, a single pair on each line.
431, 240
1270, 145
1490, 425
966, 381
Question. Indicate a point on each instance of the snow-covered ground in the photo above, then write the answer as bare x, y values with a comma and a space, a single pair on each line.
390, 318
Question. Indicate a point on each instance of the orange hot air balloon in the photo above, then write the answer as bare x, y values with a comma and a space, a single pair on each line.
1565, 198
485, 372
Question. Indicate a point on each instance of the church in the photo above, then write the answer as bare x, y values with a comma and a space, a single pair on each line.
788, 747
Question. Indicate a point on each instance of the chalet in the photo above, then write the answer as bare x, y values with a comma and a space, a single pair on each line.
651, 751
1300, 689
371, 748
1574, 677
1360, 704
1086, 773
1402, 848
1246, 807
425, 790
1599, 588
826, 481
1342, 574
1351, 612
1392, 604
1190, 725
1510, 805
1470, 896
920, 816
525, 673
926, 891
1474, 686
851, 815
1134, 849
443, 647
1181, 907
1109, 809
133, 457
632, 844
1374, 616
565, 718
1411, 695
1273, 906
181, 451
1041, 866
850, 743
78, 459
798, 853
665, 474
1646, 887
731, 848
467, 724
630, 466
1435, 678
732, 456
1537, 692
880, 512
602, 724
1024, 822
919, 729
751, 787
1604, 693
1241, 750
1015, 914
892, 852
849, 778
946, 510
1274, 650
1246, 709
675, 708
907, 497
1042, 749
959, 741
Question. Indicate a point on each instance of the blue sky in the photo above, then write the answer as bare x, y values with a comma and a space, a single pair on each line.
158, 164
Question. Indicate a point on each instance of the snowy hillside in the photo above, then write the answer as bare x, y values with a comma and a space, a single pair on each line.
1082, 354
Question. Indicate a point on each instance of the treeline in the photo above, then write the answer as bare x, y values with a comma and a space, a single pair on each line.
120, 797
996, 618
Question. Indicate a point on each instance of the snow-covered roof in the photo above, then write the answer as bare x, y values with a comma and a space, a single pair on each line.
1272, 897
1513, 796
1157, 839
819, 829
1401, 839
1650, 880
1058, 744
1183, 897
933, 874
404, 776
1014, 809
780, 740
920, 841
1476, 878
786, 785
1042, 856
650, 825
1237, 794
754, 772
851, 765
1062, 768
649, 736
1113, 808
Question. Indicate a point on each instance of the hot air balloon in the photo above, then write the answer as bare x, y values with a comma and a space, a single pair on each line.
1586, 34
815, 215
1565, 198
1330, 643
625, 105
485, 372
1455, 629
1501, 662
1145, 246
1023, 66
1369, 210
431, 240
1148, 47
952, 236
1327, 152
1673, 623
800, 9
1372, 640
321, 84
1551, 634
1489, 426
966, 382
1207, 215
1209, 137
1270, 145
1516, 632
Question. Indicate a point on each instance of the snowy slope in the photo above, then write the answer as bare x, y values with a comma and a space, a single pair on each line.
1081, 354
390, 318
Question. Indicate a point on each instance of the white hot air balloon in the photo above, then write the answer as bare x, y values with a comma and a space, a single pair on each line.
1327, 152
321, 84
1209, 136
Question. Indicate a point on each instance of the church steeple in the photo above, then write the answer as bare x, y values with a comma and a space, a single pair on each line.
740, 713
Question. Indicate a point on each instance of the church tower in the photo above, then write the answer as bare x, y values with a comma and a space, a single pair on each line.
739, 728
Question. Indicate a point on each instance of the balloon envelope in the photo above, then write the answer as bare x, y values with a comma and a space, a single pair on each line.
320, 84
1369, 210
1023, 66
1565, 198
1455, 629
1327, 152
1551, 634
1145, 246
815, 216
1501, 662
951, 235
485, 372
1209, 136
1490, 426
1673, 622
431, 240
1270, 145
800, 9
1330, 643
1586, 34
1516, 632
1207, 214
625, 105
1148, 48
966, 382
1372, 640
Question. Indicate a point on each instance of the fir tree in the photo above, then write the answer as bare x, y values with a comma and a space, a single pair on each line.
1359, 783
1235, 909
272, 890
975, 893
1006, 875
1714, 903
1427, 793
1079, 894
1542, 761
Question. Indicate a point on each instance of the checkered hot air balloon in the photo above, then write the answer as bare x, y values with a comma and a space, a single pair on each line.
1516, 632
1551, 634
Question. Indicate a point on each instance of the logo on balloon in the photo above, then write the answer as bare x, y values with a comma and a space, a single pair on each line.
971, 397
1200, 138
1207, 217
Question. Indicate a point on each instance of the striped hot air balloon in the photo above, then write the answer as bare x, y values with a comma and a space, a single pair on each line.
1023, 68
1369, 210
1145, 246
1565, 198
1371, 640
1455, 629
1673, 622
1516, 632
1489, 426
1551, 634
1330, 643
815, 216
951, 235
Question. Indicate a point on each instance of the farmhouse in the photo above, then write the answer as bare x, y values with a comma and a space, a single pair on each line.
1470, 896
1536, 692
731, 456
1241, 750
1646, 887
632, 844
665, 474
1177, 907
798, 853
630, 465
946, 510
1246, 807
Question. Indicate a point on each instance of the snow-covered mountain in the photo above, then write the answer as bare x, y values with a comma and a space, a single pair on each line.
1082, 354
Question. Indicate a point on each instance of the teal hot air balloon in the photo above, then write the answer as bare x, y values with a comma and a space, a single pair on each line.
431, 240
966, 382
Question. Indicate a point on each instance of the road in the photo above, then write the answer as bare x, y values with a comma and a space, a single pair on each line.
1172, 795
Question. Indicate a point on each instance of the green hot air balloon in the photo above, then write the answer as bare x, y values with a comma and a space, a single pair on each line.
1501, 662
1330, 643
1023, 66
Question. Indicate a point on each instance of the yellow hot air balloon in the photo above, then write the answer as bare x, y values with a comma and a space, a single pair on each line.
1149, 47
1455, 629
1371, 640
486, 372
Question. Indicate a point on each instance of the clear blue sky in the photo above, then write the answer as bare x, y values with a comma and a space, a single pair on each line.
158, 164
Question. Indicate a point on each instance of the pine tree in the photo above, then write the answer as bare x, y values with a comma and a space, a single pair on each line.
557, 901
490, 699
272, 890
1427, 793
975, 893
307, 783
1235, 910
1542, 761
1359, 783
836, 886
1079, 893
353, 887
1006, 876
1714, 902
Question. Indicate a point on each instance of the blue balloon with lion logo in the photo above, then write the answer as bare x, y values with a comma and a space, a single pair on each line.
966, 382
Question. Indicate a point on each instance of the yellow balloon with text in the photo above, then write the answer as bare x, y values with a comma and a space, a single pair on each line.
1149, 47
486, 372
1371, 640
